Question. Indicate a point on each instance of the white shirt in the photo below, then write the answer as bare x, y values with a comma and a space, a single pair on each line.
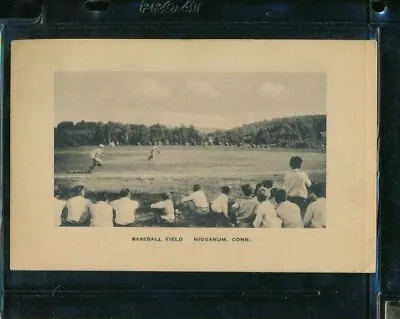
315, 216
296, 183
290, 215
168, 207
198, 198
58, 208
96, 153
266, 216
220, 204
101, 215
125, 209
77, 207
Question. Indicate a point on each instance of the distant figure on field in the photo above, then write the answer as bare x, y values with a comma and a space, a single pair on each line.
266, 216
244, 209
96, 157
287, 211
153, 152
58, 206
315, 216
76, 211
165, 208
101, 213
125, 209
296, 183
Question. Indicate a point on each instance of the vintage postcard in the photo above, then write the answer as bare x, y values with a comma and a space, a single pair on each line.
193, 155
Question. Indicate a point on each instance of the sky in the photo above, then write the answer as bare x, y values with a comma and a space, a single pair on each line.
206, 100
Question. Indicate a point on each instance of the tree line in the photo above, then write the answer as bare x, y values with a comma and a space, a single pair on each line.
298, 131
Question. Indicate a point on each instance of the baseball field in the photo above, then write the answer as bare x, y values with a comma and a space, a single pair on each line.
176, 169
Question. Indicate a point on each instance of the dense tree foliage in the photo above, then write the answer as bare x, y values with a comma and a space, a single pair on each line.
299, 131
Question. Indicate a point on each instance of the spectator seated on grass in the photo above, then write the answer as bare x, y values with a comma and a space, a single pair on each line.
196, 202
287, 211
125, 209
76, 211
101, 213
272, 196
265, 214
195, 208
315, 216
267, 185
257, 188
164, 209
58, 206
311, 196
219, 208
296, 183
244, 208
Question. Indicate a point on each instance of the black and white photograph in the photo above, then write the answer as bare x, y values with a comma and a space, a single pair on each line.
204, 150
243, 150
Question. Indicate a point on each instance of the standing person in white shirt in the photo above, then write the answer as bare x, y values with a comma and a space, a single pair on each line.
101, 213
296, 183
287, 211
76, 211
164, 209
219, 208
266, 216
58, 207
315, 216
125, 209
96, 157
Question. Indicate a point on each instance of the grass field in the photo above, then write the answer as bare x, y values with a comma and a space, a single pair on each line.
177, 168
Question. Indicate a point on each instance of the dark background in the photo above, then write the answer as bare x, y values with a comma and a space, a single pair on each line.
222, 295
24, 9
